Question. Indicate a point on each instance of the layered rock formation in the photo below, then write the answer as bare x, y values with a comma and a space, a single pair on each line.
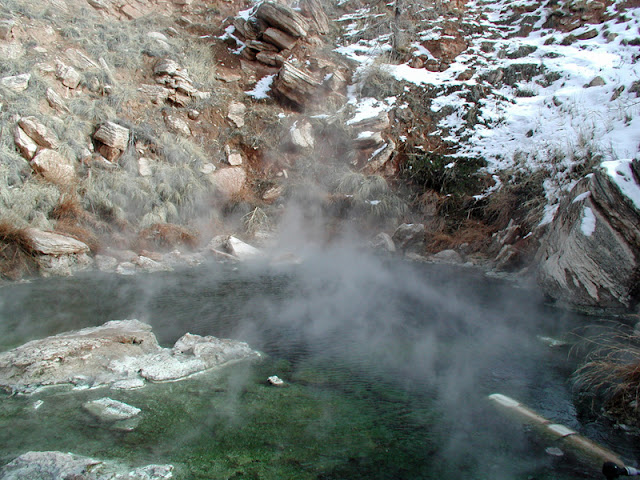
591, 254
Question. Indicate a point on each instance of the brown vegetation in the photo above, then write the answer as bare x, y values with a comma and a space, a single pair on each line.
167, 237
612, 372
16, 254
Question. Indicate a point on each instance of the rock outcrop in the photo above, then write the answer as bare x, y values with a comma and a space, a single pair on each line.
57, 254
276, 35
119, 353
590, 256
59, 465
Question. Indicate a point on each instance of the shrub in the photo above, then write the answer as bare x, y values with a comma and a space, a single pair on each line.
256, 221
521, 197
444, 174
378, 83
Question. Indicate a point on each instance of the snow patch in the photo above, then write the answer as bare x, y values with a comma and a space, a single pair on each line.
588, 224
262, 88
622, 175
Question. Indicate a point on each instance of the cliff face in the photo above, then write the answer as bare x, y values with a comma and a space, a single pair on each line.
152, 125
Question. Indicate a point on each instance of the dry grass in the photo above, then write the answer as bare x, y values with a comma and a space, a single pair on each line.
16, 254
473, 233
165, 236
74, 221
521, 198
611, 372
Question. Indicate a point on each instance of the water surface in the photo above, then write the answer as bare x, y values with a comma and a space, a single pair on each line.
387, 365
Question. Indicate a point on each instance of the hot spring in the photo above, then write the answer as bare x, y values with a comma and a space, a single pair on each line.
387, 367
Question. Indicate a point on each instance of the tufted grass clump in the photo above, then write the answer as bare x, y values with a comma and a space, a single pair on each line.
16, 255
611, 373
371, 197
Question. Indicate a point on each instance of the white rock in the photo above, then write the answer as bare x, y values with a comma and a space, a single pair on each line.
275, 381
207, 168
177, 125
38, 132
50, 243
130, 384
144, 167
25, 143
110, 410
126, 268
17, 83
239, 249
234, 159
236, 113
302, 135
68, 75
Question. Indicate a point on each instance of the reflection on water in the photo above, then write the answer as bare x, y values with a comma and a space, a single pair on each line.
387, 367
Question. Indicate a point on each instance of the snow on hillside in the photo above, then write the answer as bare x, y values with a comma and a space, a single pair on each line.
580, 105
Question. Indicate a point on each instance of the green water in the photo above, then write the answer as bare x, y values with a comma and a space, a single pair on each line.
387, 370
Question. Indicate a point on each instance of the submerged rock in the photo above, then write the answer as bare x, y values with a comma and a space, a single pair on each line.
108, 409
59, 465
118, 353
275, 381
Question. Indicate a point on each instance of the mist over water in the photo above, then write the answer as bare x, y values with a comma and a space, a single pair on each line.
420, 345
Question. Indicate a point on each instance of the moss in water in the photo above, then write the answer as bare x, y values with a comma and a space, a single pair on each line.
233, 424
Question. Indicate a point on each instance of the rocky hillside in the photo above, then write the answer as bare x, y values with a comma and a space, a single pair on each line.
493, 131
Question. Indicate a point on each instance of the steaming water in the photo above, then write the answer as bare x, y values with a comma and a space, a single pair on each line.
388, 367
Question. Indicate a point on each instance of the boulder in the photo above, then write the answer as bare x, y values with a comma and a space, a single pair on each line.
368, 139
596, 82
284, 18
117, 353
113, 135
380, 157
38, 132
79, 59
49, 243
275, 381
273, 193
17, 83
447, 256
234, 159
410, 237
6, 29
144, 167
295, 85
228, 181
177, 125
272, 59
156, 93
590, 255
383, 243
